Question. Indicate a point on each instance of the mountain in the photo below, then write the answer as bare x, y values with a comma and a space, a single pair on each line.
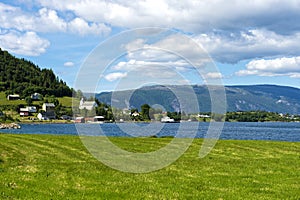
273, 98
22, 77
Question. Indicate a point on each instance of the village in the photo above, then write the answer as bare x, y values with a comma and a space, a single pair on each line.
39, 109
79, 109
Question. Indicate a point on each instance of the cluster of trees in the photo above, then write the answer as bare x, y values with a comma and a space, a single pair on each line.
19, 76
4, 118
104, 110
144, 115
259, 116
174, 115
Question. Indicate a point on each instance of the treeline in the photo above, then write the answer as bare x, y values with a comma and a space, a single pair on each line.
260, 116
144, 114
19, 76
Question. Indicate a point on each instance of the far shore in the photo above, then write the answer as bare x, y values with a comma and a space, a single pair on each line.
106, 122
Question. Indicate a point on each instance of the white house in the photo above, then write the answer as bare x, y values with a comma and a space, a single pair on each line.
49, 109
36, 96
40, 116
89, 105
167, 119
31, 109
135, 114
13, 97
27, 110
203, 116
24, 112
98, 119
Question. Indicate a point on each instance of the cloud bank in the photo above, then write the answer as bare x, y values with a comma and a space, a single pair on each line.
231, 31
189, 15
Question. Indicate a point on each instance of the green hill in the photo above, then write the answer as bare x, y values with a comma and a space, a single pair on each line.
19, 76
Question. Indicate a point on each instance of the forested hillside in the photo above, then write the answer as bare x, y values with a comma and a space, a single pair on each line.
19, 76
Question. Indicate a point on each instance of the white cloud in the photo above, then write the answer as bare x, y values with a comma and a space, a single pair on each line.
172, 59
47, 20
213, 75
189, 15
28, 43
114, 76
224, 47
163, 60
140, 65
80, 26
19, 28
151, 69
234, 47
172, 50
135, 45
230, 30
69, 64
274, 67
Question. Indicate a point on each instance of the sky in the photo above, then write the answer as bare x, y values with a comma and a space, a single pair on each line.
196, 42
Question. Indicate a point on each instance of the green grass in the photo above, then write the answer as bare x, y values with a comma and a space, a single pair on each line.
67, 101
59, 167
4, 101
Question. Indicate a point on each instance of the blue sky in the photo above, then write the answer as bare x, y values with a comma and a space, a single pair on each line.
255, 42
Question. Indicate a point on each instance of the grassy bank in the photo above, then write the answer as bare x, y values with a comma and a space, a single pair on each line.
59, 167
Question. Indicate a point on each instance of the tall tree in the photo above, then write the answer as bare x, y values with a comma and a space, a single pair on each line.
145, 111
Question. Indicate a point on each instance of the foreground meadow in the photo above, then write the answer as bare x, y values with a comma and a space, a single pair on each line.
59, 167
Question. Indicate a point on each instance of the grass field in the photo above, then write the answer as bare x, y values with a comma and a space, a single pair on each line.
59, 167
65, 101
4, 101
68, 101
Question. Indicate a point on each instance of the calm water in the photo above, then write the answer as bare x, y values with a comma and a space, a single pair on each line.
241, 131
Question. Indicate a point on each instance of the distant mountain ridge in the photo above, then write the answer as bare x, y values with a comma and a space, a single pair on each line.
272, 98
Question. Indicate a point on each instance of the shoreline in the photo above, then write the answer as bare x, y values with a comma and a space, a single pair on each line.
146, 122
128, 122
12, 125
